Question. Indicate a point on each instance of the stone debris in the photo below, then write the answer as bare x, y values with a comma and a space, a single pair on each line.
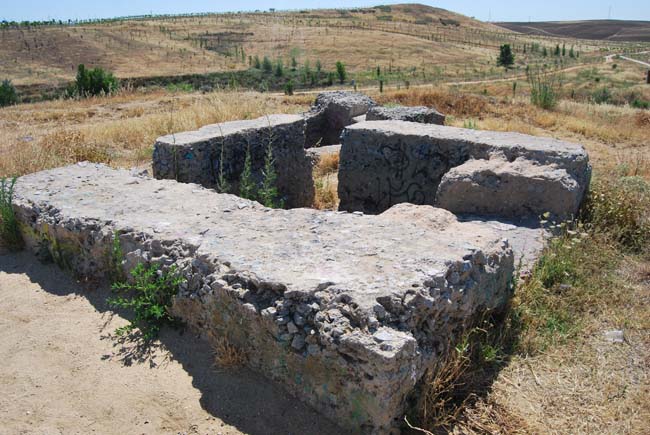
615, 336
497, 187
383, 163
201, 156
331, 113
421, 114
347, 311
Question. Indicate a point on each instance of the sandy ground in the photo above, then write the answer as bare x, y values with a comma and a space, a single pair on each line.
63, 373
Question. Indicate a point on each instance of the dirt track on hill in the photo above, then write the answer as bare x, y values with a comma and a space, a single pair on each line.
62, 373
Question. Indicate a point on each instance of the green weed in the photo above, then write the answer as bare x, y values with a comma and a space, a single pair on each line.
149, 297
9, 231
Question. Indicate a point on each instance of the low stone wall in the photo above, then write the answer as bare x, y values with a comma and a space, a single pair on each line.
346, 311
383, 163
199, 156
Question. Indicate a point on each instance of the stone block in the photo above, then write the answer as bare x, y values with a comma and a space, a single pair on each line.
422, 114
331, 113
373, 301
199, 156
497, 187
383, 163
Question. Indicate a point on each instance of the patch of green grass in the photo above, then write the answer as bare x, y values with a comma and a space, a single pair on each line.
9, 231
149, 297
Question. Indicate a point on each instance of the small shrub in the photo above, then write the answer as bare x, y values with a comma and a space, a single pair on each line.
268, 193
288, 88
602, 96
267, 66
544, 88
340, 72
279, 68
246, 182
8, 94
470, 124
96, 81
149, 297
227, 355
9, 231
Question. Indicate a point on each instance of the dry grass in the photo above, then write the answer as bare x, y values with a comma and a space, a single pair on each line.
326, 194
327, 164
45, 135
226, 355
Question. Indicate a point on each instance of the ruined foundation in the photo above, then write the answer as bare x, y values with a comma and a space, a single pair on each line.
346, 311
383, 163
216, 150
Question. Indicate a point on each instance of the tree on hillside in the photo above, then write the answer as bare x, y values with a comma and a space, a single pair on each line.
8, 94
340, 71
506, 57
267, 66
557, 50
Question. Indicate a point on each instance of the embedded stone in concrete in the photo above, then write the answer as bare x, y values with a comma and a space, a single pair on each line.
383, 163
422, 114
497, 187
346, 311
200, 156
331, 112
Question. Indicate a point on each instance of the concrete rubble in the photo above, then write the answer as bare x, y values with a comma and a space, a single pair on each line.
347, 311
510, 175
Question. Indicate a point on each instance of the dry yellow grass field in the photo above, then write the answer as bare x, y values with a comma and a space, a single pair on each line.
403, 36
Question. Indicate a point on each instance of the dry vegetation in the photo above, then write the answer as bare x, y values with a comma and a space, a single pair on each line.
424, 43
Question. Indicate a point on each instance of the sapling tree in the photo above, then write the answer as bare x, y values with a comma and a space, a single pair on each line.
506, 57
340, 71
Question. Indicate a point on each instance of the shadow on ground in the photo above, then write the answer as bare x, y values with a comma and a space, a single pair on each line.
241, 398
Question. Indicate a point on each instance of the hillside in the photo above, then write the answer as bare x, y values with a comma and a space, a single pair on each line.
417, 39
610, 30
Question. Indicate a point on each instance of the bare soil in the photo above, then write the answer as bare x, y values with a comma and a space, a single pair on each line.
63, 372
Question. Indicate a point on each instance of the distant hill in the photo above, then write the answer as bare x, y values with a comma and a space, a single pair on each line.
610, 30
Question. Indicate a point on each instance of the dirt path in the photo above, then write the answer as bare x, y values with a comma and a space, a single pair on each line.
61, 373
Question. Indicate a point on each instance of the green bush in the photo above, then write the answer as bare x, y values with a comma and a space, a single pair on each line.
8, 94
9, 232
602, 96
246, 183
340, 71
288, 88
150, 297
96, 81
268, 193
544, 88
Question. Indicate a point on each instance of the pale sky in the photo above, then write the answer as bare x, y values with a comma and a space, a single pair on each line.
501, 10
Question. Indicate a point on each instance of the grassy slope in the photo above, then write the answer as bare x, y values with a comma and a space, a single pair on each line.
406, 36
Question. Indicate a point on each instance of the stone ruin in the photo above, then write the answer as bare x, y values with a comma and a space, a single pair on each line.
347, 311
507, 175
